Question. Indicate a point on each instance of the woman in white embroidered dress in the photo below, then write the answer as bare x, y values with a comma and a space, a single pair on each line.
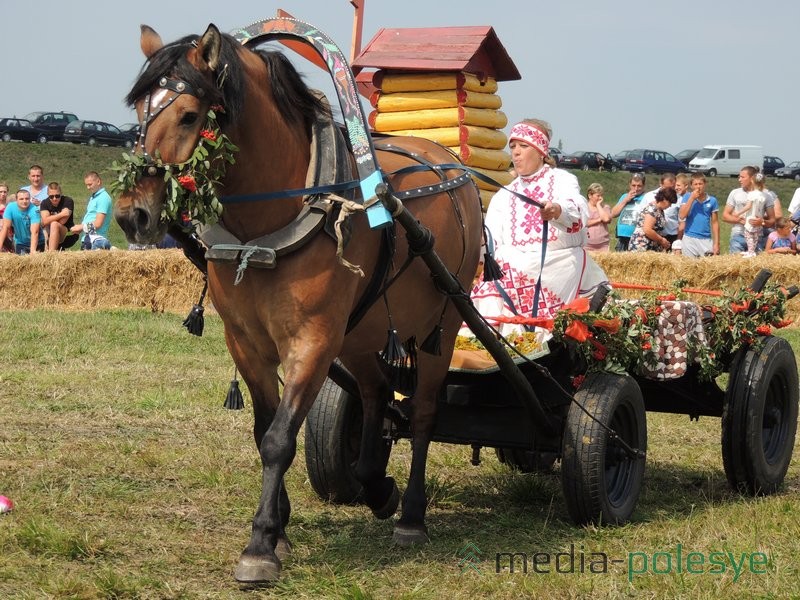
517, 227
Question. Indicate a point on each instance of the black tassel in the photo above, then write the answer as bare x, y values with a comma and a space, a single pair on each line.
234, 399
433, 343
394, 351
491, 270
195, 321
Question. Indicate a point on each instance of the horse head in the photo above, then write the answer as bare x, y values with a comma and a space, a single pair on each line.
199, 100
173, 97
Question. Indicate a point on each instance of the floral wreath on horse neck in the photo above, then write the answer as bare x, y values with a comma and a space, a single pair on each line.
189, 186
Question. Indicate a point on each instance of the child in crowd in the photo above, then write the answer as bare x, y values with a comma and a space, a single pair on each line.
782, 240
754, 209
599, 218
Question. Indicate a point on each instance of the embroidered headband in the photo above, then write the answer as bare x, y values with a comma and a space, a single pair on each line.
531, 135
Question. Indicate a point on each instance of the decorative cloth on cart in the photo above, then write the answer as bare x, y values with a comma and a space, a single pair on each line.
678, 323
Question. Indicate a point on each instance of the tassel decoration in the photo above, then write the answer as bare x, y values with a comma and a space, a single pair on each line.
394, 351
491, 270
433, 343
195, 321
234, 399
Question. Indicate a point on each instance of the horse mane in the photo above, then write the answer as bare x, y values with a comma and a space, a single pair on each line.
294, 99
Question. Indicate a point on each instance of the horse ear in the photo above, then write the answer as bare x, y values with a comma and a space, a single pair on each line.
210, 46
150, 41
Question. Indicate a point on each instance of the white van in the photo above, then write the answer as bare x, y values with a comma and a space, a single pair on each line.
725, 159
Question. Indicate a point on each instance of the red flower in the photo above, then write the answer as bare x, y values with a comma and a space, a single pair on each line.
577, 381
609, 325
640, 314
764, 330
188, 182
646, 346
579, 305
658, 310
667, 297
218, 108
739, 308
578, 331
782, 323
600, 351
208, 134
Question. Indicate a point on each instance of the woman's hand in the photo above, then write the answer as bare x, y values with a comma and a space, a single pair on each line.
550, 211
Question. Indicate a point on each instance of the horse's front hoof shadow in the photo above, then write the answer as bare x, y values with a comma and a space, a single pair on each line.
392, 502
410, 535
254, 570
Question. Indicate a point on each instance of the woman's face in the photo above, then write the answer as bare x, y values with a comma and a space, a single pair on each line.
595, 197
525, 157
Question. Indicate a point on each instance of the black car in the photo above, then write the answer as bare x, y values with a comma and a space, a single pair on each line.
583, 160
790, 171
686, 156
97, 133
131, 129
20, 129
51, 124
771, 164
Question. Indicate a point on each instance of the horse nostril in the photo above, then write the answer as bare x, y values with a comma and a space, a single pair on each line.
141, 219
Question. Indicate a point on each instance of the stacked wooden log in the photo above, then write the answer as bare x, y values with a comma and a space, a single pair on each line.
454, 109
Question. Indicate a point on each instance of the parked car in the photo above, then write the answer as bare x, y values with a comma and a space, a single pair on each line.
583, 160
132, 129
20, 129
556, 155
790, 171
621, 156
686, 156
51, 124
771, 163
652, 161
97, 133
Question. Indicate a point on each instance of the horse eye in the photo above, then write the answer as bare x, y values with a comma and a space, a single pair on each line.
189, 118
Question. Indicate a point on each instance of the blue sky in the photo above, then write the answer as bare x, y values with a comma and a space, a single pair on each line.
609, 76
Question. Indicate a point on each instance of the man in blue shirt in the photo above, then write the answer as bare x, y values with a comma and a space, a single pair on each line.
24, 217
627, 210
98, 214
701, 211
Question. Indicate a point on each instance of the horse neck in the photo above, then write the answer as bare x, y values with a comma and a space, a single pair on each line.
273, 156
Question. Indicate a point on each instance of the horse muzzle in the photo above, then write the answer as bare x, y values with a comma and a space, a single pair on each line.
138, 212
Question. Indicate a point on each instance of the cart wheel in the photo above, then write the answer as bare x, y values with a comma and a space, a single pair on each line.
759, 420
333, 437
601, 481
525, 461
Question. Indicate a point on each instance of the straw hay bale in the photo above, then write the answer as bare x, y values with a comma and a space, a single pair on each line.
725, 272
163, 280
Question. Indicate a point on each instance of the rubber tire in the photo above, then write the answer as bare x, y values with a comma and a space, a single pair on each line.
712, 173
522, 461
759, 419
584, 167
6, 137
128, 144
42, 139
797, 177
595, 490
614, 168
332, 439
91, 141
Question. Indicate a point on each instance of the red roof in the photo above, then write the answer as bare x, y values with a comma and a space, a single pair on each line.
476, 50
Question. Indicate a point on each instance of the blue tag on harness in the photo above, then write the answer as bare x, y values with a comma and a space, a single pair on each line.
377, 215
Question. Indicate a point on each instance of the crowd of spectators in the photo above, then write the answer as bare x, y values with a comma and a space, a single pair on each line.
680, 217
40, 218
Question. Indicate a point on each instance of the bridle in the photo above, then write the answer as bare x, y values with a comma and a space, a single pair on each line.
150, 112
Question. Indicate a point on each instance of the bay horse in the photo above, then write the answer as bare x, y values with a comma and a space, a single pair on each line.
296, 314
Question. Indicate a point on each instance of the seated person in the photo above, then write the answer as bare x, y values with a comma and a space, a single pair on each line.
517, 231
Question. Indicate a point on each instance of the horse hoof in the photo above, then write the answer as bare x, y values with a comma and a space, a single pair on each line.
410, 535
257, 569
390, 507
283, 549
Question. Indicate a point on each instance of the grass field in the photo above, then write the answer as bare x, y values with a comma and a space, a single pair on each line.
131, 481
67, 163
